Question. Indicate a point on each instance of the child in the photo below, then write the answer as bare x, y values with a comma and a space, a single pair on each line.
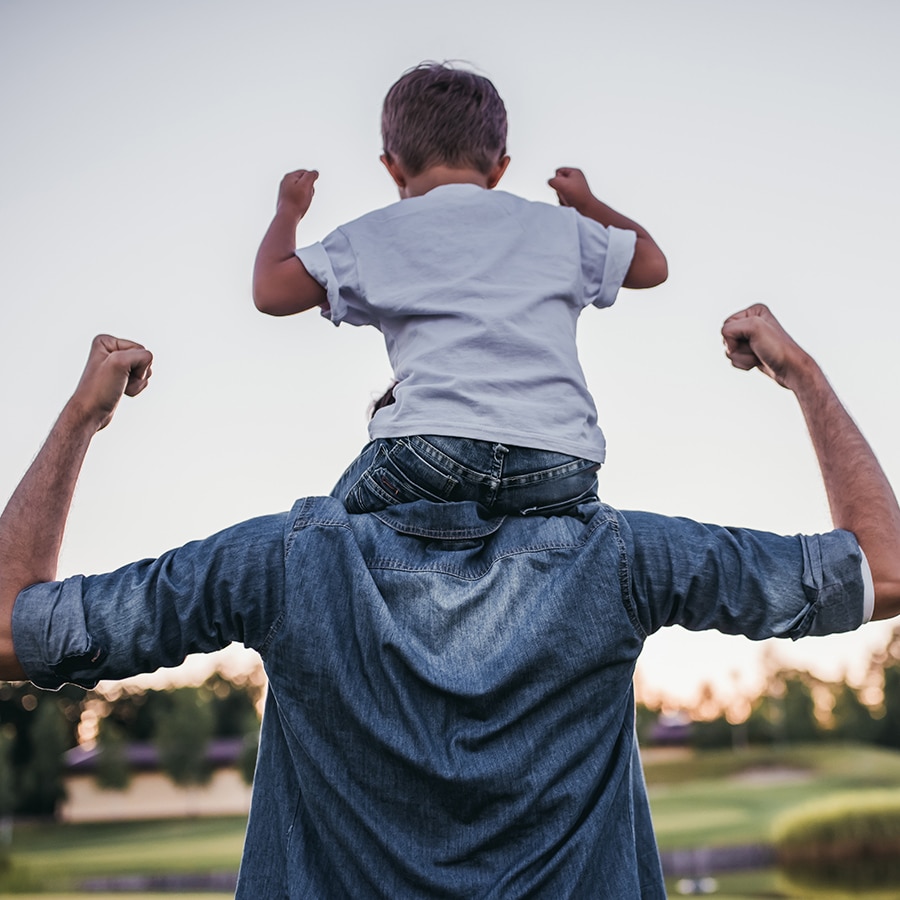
477, 293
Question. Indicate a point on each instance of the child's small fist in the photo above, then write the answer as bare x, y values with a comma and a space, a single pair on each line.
296, 190
571, 187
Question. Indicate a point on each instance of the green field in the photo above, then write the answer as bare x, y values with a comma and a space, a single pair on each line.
698, 800
62, 857
723, 798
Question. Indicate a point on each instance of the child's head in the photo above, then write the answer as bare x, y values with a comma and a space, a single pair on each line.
436, 114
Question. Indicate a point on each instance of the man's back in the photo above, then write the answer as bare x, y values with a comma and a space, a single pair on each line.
450, 699
450, 708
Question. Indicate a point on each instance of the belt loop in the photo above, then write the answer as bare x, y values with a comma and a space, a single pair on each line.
498, 459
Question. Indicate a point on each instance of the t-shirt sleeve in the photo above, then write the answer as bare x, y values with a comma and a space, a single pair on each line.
333, 263
741, 581
152, 613
606, 255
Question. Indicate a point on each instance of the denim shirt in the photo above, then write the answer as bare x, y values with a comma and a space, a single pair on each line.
450, 708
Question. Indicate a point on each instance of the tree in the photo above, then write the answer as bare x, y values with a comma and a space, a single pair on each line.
234, 704
249, 752
799, 723
42, 775
644, 719
853, 720
786, 711
183, 735
888, 733
7, 795
709, 734
137, 712
113, 770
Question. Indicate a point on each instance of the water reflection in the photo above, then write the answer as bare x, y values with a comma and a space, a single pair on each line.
874, 877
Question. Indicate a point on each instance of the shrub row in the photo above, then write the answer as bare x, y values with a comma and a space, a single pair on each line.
842, 827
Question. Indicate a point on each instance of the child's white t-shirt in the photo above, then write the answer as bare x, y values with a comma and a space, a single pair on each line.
477, 293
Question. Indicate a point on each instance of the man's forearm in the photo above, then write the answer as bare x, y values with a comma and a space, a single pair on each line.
33, 523
859, 494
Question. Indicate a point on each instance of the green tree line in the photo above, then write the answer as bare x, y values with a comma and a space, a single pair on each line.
37, 728
796, 707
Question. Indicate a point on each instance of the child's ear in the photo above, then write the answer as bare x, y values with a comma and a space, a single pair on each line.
496, 173
395, 169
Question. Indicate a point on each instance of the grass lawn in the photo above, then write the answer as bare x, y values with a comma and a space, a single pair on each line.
769, 885
130, 896
698, 800
722, 798
725, 797
61, 857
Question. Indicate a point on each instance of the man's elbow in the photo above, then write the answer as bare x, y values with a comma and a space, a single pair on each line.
10, 668
887, 599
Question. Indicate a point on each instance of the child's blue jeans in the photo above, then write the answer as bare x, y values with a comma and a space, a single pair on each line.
506, 480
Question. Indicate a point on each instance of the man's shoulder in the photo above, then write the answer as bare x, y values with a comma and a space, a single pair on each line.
428, 519
452, 523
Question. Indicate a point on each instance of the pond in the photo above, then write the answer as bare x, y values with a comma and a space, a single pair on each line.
870, 880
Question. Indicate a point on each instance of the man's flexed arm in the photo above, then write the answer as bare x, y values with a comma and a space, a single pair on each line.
32, 525
859, 495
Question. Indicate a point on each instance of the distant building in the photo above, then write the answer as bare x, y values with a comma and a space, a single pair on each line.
672, 730
151, 794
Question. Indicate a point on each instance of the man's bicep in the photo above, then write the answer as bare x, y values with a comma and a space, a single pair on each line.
153, 613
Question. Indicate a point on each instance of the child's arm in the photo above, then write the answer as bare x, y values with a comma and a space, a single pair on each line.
648, 265
281, 284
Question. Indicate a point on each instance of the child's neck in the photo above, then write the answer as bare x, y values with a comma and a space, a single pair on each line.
435, 176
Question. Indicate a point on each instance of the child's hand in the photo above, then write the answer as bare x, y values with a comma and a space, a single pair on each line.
571, 187
296, 191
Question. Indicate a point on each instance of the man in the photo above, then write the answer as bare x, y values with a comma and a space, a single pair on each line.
450, 709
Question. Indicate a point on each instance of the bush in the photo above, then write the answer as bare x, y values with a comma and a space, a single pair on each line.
844, 845
842, 827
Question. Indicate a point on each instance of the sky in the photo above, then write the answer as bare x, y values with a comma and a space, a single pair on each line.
141, 152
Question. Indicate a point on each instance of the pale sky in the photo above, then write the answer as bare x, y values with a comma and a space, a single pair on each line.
143, 144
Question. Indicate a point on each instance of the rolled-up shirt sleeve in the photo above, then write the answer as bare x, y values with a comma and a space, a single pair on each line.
741, 581
152, 613
333, 263
606, 254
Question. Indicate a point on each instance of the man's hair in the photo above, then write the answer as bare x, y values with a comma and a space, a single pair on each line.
437, 114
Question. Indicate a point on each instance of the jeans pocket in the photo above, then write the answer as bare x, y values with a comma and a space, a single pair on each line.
383, 486
398, 474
